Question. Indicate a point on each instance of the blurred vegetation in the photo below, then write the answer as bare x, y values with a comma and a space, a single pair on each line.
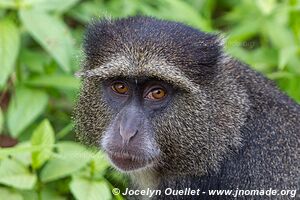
40, 49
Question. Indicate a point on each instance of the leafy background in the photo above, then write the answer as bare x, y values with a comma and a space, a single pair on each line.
40, 49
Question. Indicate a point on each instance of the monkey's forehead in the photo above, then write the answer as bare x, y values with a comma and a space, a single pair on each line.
144, 46
121, 66
142, 38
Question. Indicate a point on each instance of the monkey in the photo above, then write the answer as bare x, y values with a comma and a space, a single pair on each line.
172, 110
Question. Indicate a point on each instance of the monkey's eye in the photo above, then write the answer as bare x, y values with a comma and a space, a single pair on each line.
156, 94
120, 87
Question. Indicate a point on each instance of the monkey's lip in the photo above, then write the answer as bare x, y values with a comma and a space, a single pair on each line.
128, 162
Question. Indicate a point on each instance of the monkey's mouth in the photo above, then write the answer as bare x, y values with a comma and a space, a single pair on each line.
128, 162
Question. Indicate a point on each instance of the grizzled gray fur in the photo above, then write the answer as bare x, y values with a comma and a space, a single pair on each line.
226, 127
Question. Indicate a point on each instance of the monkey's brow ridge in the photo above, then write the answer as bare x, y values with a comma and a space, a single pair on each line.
166, 73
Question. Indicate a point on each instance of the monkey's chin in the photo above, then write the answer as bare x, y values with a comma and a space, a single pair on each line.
126, 162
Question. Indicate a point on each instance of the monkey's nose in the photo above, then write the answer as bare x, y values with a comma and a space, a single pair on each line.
127, 134
130, 124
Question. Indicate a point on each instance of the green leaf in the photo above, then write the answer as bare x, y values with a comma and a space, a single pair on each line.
100, 162
24, 108
1, 120
291, 87
9, 48
280, 75
17, 4
242, 32
184, 13
51, 194
66, 161
23, 149
29, 194
285, 54
65, 131
23, 156
84, 189
279, 35
35, 61
43, 136
51, 33
86, 11
8, 4
294, 64
56, 81
266, 6
55, 5
7, 193
238, 52
13, 173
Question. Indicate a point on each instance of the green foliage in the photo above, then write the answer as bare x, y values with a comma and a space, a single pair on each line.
32, 168
51, 33
9, 47
16, 175
83, 188
66, 161
265, 34
43, 136
40, 51
8, 192
27, 105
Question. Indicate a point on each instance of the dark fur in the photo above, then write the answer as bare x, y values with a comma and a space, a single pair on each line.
234, 129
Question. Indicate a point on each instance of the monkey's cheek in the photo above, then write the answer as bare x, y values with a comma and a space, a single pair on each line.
128, 163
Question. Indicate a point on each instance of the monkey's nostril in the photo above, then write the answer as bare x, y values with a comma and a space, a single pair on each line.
127, 135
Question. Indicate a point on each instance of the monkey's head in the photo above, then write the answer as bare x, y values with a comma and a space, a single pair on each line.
155, 96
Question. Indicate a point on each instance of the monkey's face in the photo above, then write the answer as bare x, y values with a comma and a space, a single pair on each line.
133, 120
129, 139
144, 122
152, 97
